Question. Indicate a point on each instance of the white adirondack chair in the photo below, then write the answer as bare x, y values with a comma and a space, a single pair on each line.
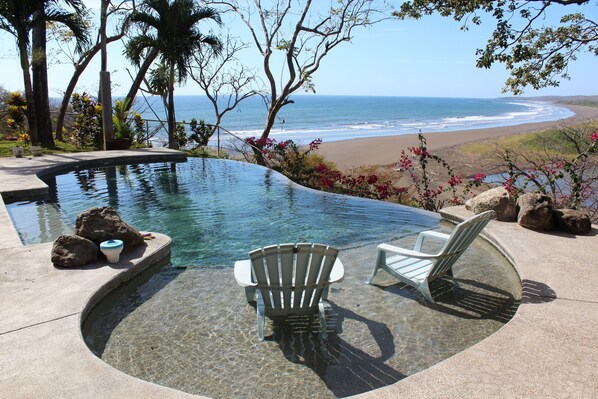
289, 279
418, 269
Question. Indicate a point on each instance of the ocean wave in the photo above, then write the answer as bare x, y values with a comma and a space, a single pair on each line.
333, 119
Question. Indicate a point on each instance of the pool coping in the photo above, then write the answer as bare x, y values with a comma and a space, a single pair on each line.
547, 349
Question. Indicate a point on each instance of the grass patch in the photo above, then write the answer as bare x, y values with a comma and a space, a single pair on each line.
6, 147
550, 141
586, 103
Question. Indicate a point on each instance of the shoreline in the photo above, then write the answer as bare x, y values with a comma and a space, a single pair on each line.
348, 154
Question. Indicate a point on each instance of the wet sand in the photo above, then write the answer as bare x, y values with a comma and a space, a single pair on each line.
349, 154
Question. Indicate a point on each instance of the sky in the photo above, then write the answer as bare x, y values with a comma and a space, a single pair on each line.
431, 57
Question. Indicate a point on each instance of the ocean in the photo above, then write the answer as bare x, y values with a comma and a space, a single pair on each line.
333, 118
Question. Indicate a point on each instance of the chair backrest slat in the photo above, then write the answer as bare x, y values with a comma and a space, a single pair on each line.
460, 239
301, 268
292, 276
324, 274
315, 265
287, 265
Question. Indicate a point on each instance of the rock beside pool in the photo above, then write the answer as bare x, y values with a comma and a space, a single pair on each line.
497, 200
74, 251
101, 224
572, 221
536, 212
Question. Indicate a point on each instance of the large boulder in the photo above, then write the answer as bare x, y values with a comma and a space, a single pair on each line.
74, 251
497, 200
101, 224
572, 221
536, 212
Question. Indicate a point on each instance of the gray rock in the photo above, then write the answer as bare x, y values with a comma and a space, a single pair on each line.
497, 200
572, 221
74, 251
101, 224
536, 212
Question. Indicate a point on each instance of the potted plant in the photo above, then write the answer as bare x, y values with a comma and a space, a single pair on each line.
16, 109
18, 151
23, 141
123, 132
36, 150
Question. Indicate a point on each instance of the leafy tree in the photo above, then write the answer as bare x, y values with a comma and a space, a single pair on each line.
536, 55
293, 39
80, 60
20, 18
46, 11
170, 26
225, 81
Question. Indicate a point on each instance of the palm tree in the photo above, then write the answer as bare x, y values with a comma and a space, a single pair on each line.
170, 26
49, 10
20, 18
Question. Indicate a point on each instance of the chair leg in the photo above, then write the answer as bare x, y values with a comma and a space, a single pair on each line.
322, 315
250, 294
425, 290
380, 260
261, 316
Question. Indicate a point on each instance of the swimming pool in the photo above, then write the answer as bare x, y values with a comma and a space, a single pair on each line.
191, 329
214, 210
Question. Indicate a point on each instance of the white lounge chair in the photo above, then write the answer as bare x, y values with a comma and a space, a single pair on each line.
289, 279
418, 269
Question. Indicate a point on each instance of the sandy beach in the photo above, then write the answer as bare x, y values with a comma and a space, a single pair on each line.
350, 154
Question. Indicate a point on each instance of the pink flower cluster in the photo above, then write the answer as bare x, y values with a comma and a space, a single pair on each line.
361, 186
479, 178
419, 151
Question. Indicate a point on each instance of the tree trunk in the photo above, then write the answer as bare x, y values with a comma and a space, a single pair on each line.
273, 110
79, 69
151, 56
24, 58
40, 81
172, 141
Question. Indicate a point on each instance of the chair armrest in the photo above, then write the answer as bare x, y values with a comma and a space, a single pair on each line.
435, 234
405, 252
429, 234
243, 273
338, 272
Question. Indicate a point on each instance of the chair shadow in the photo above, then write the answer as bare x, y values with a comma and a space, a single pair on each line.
535, 292
345, 368
454, 296
481, 301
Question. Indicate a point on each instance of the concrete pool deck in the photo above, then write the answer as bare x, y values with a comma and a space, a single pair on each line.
548, 349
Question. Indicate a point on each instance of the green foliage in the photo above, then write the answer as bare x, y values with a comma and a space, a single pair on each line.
87, 129
16, 109
180, 136
199, 137
6, 147
121, 121
430, 193
207, 152
171, 27
201, 132
141, 133
570, 178
536, 56
303, 166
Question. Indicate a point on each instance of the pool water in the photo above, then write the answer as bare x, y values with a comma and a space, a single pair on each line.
215, 211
